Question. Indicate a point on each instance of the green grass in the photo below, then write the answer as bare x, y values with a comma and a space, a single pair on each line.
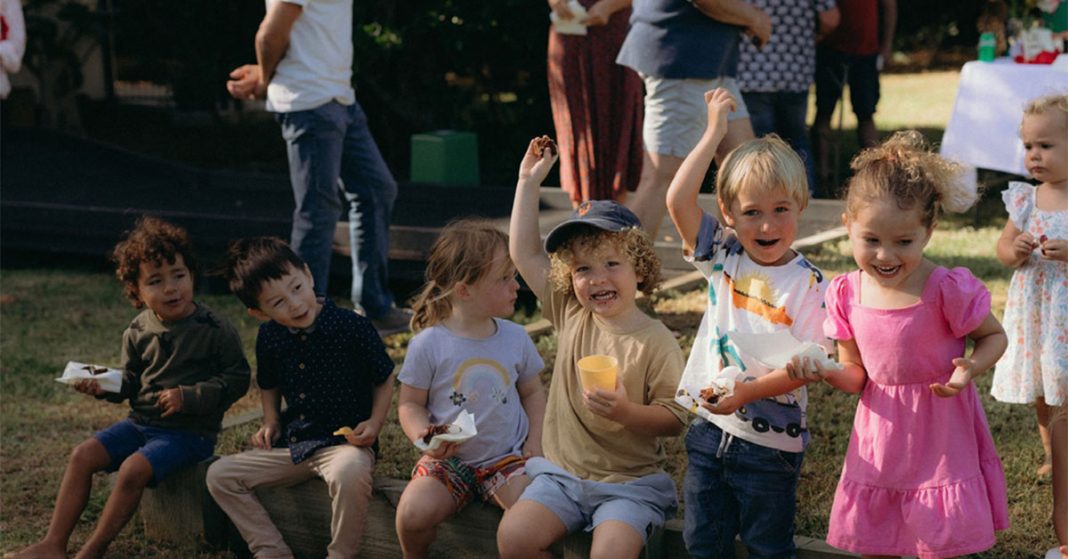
50, 315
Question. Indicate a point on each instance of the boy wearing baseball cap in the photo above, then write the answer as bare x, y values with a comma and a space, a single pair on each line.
601, 470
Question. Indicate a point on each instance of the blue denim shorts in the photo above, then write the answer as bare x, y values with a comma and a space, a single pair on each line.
676, 115
167, 450
643, 503
736, 488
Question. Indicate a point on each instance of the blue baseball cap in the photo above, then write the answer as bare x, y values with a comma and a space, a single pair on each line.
602, 214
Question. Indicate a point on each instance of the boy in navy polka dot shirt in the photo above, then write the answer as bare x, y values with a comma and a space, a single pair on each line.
337, 380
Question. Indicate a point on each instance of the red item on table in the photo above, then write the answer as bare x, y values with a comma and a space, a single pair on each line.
1044, 57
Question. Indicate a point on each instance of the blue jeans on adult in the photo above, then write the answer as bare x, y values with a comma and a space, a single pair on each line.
329, 147
783, 112
736, 487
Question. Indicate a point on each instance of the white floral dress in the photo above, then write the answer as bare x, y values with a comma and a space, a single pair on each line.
1036, 312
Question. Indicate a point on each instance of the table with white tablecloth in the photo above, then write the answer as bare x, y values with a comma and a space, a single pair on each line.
984, 129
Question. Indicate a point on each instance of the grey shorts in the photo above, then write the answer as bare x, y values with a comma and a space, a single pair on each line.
676, 115
643, 503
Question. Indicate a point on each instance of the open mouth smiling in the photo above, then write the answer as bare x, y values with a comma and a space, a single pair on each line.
767, 242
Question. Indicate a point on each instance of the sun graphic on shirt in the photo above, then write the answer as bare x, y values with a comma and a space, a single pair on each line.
754, 293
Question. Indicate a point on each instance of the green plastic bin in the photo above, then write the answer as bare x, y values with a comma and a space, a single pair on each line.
447, 157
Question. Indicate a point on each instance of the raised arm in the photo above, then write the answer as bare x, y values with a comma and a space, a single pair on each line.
524, 244
756, 22
682, 194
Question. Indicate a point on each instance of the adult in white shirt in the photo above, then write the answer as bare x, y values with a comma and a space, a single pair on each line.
304, 69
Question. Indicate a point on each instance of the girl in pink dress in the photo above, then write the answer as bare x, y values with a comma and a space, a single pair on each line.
921, 475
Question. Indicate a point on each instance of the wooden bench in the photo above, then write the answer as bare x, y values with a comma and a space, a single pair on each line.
180, 511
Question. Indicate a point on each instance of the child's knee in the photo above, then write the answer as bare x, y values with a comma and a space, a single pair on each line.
90, 456
350, 476
135, 472
221, 476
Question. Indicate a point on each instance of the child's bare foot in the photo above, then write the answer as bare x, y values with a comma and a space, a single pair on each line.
39, 550
1046, 469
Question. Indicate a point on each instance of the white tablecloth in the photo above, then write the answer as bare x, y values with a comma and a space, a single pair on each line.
984, 129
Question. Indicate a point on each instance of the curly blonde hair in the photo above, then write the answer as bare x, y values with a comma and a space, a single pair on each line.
152, 240
632, 242
464, 253
905, 168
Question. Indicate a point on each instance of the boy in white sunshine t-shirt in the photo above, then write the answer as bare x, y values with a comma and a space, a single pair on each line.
745, 450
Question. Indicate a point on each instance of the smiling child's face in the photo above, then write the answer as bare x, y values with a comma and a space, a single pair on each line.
765, 223
604, 279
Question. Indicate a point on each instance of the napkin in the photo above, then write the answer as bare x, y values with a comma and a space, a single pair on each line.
777, 348
110, 381
460, 430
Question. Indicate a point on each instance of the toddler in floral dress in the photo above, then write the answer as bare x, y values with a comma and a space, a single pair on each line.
1035, 243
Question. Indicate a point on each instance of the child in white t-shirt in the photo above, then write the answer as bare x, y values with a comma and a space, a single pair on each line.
745, 450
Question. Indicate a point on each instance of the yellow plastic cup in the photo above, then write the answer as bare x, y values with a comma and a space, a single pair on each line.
598, 371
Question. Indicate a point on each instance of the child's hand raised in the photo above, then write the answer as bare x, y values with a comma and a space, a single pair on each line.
720, 104
610, 405
364, 434
538, 160
268, 434
962, 375
88, 386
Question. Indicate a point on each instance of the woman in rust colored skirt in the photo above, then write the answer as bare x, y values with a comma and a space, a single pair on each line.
597, 104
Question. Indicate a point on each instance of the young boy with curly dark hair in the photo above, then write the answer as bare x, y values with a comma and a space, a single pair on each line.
183, 366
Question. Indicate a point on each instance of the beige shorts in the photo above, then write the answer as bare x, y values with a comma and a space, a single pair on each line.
676, 115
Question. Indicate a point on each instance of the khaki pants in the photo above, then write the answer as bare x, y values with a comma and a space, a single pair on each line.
346, 469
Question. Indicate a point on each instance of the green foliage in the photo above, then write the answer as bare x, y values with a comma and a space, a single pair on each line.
460, 64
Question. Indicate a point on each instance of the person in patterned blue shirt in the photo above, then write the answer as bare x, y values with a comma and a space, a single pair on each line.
775, 79
331, 367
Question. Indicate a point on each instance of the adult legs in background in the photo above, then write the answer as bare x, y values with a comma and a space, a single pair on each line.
784, 113
675, 119
600, 143
833, 70
370, 191
314, 141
